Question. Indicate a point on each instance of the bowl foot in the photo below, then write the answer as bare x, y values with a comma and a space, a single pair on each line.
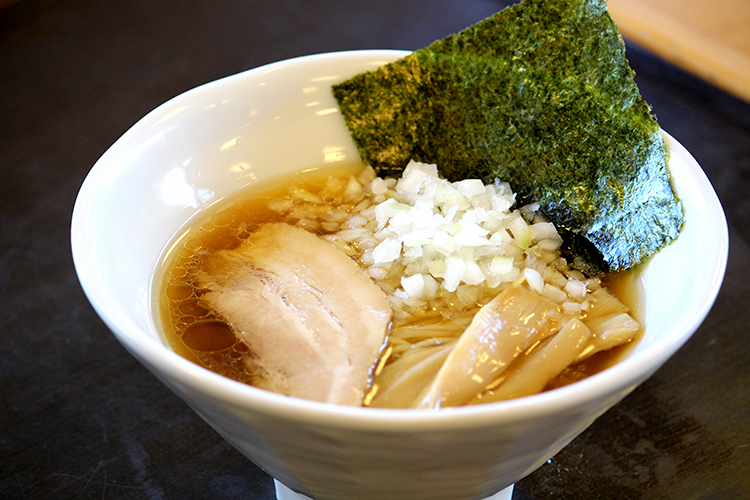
284, 493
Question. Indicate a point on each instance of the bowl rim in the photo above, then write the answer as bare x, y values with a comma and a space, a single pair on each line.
619, 379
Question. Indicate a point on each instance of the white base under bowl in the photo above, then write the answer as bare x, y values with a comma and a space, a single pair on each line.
284, 493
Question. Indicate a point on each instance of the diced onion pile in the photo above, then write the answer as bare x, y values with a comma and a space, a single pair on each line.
433, 244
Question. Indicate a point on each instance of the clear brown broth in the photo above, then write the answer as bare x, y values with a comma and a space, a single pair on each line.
200, 336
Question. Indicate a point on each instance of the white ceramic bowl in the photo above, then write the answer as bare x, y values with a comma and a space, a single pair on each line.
270, 121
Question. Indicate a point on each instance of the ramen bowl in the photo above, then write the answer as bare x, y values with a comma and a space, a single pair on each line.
206, 144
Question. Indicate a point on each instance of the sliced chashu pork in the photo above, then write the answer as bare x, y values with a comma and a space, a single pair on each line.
313, 320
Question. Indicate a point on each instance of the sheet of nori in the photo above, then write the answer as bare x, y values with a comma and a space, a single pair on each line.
540, 95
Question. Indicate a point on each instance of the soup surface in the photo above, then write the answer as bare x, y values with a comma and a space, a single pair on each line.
324, 201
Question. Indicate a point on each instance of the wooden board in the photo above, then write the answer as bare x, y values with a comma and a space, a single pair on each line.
709, 38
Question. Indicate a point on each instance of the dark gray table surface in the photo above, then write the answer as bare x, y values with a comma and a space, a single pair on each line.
81, 419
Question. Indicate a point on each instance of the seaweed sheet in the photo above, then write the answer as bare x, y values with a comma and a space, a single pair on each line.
540, 95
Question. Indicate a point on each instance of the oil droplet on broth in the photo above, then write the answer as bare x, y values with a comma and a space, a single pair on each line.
179, 291
222, 219
208, 336
192, 307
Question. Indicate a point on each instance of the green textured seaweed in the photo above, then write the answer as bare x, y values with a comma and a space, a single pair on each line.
540, 95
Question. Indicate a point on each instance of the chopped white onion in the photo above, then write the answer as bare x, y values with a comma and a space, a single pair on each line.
423, 238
